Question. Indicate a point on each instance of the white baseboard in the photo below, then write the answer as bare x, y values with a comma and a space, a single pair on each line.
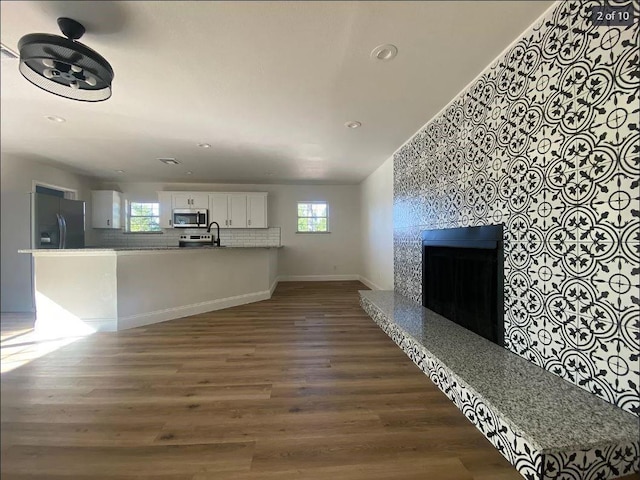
157, 316
273, 286
316, 278
369, 283
102, 324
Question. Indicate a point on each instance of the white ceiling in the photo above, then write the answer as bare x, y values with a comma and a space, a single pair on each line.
268, 84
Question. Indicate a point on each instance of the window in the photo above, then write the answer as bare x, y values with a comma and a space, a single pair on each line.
144, 217
49, 191
313, 217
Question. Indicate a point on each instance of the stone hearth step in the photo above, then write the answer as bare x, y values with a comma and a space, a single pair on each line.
545, 426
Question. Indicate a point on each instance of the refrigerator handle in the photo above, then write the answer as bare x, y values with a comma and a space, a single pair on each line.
62, 231
59, 219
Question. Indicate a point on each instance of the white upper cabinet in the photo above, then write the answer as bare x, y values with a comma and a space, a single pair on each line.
106, 207
218, 209
165, 199
228, 209
238, 210
190, 200
257, 210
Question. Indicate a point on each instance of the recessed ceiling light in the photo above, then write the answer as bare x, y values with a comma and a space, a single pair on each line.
384, 52
189, 173
270, 174
119, 171
169, 161
353, 124
204, 145
55, 118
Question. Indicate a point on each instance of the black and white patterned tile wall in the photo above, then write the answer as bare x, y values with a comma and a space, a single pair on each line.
547, 142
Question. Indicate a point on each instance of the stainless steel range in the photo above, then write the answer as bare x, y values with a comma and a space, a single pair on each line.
205, 240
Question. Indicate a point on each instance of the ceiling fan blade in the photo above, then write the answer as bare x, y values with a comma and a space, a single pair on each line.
72, 59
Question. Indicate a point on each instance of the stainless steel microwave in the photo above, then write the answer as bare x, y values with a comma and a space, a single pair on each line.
190, 218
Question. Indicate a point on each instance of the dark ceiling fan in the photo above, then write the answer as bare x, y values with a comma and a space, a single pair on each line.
64, 66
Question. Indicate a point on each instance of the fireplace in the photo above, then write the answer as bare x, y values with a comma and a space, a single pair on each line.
462, 278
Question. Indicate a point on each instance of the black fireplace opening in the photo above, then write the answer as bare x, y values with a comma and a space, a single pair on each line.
462, 278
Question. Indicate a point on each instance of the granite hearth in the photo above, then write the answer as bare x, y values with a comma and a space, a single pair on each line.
546, 427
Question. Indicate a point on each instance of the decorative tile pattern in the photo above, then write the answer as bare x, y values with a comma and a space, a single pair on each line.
600, 463
596, 464
547, 142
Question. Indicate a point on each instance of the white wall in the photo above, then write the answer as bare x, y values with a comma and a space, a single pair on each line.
17, 176
305, 256
337, 253
376, 199
360, 243
156, 286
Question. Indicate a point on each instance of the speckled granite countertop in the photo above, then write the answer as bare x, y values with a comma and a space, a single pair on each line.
551, 413
89, 250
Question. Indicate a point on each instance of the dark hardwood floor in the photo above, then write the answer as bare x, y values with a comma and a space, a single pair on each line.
302, 386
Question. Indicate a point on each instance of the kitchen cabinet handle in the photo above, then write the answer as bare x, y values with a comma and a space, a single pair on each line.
229, 222
248, 222
169, 222
108, 222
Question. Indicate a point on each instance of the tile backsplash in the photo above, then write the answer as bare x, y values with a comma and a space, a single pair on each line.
254, 237
546, 142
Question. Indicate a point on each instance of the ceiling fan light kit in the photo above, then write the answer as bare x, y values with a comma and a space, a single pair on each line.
64, 66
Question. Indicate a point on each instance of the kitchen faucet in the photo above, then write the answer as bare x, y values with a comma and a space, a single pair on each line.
217, 240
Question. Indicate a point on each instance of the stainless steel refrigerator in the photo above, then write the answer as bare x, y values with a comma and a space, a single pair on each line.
57, 222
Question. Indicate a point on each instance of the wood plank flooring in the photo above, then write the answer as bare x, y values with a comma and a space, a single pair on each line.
302, 386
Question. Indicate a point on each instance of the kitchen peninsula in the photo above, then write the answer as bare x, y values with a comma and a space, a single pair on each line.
110, 289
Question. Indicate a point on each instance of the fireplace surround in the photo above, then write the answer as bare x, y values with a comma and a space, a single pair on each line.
463, 278
528, 144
